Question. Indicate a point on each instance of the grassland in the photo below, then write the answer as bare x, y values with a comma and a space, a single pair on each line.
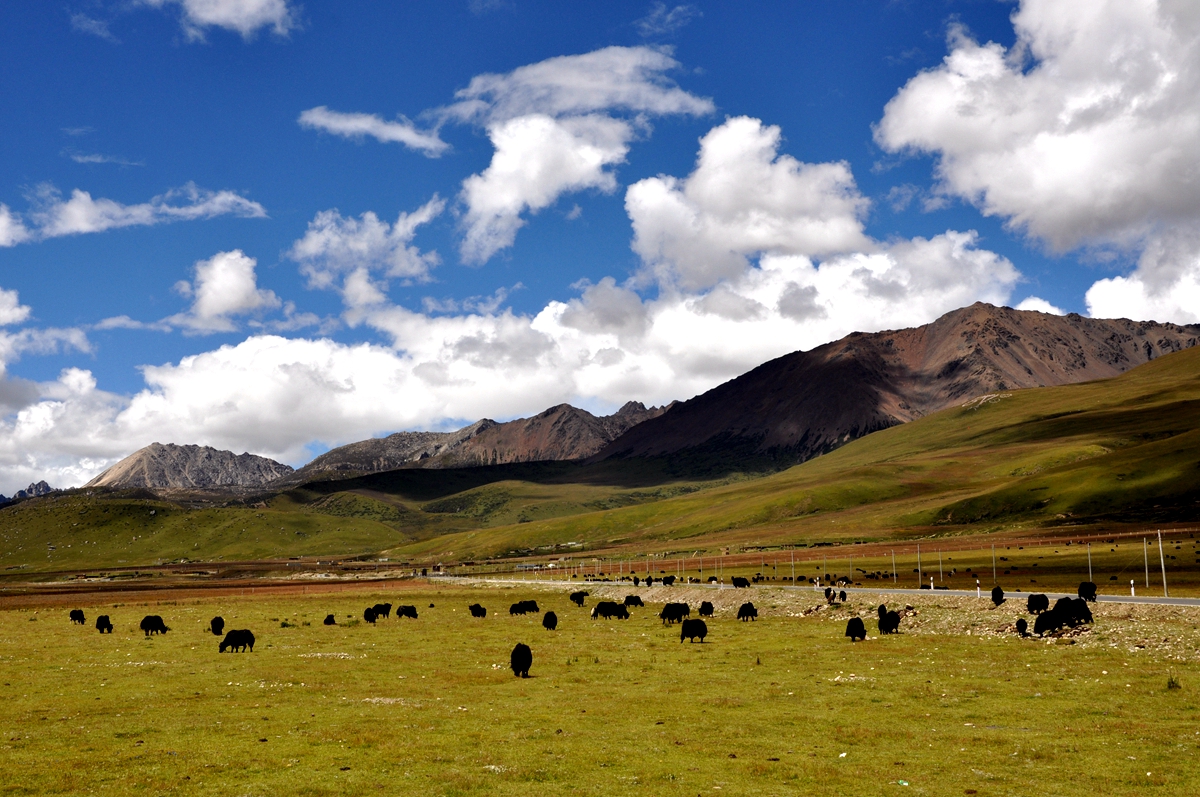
954, 703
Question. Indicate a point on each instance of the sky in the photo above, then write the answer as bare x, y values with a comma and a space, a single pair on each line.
278, 227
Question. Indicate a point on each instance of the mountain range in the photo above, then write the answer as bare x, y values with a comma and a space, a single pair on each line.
783, 412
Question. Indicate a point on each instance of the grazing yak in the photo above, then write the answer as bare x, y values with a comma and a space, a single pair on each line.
1022, 627
674, 612
524, 607
577, 597
740, 583
1037, 603
217, 625
383, 610
889, 622
712, 579
521, 660
633, 600
747, 612
237, 641
636, 581
842, 596
1066, 611
997, 595
550, 621
153, 624
329, 620
855, 629
609, 610
406, 611
668, 581
477, 610
77, 616
692, 629
1087, 591
706, 609
369, 614
103, 624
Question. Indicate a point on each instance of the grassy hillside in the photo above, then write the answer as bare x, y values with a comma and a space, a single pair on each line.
1108, 453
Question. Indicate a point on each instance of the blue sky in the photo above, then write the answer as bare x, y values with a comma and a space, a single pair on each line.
278, 227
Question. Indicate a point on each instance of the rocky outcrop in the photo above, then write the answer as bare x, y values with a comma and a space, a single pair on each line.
32, 491
806, 403
169, 466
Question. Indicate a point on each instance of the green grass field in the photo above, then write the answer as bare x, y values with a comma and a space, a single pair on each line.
955, 704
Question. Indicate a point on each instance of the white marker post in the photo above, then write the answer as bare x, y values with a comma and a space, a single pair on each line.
977, 592
1132, 593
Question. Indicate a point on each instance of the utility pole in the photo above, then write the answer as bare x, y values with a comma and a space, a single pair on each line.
893, 567
1146, 557
918, 565
793, 567
1090, 562
940, 577
1163, 562
993, 564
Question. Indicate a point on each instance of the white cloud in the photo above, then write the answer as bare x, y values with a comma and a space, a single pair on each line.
537, 159
1039, 305
81, 213
1083, 135
81, 157
92, 26
11, 309
357, 125
12, 229
663, 21
224, 288
557, 126
743, 199
243, 16
338, 246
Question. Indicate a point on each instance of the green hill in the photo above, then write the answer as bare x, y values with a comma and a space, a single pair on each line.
1100, 454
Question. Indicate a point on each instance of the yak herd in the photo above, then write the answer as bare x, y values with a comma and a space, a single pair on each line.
1066, 612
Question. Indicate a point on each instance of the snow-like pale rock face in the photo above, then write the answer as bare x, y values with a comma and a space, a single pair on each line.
173, 466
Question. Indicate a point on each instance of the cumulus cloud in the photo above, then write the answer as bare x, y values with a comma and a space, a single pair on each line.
54, 216
224, 287
11, 309
337, 247
12, 229
537, 159
743, 199
92, 26
357, 125
1084, 134
558, 126
246, 17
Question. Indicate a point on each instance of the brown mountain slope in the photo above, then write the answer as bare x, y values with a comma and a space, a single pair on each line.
806, 403
159, 466
559, 433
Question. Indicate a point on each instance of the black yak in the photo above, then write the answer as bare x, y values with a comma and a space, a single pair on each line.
1022, 627
217, 625
369, 614
550, 621
1037, 603
1087, 591
997, 595
706, 609
524, 607
668, 581
521, 660
747, 612
674, 612
477, 610
842, 596
406, 611
77, 616
1066, 611
692, 629
633, 600
889, 622
383, 610
153, 624
237, 641
855, 629
329, 620
636, 581
103, 624
609, 610
740, 583
577, 597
